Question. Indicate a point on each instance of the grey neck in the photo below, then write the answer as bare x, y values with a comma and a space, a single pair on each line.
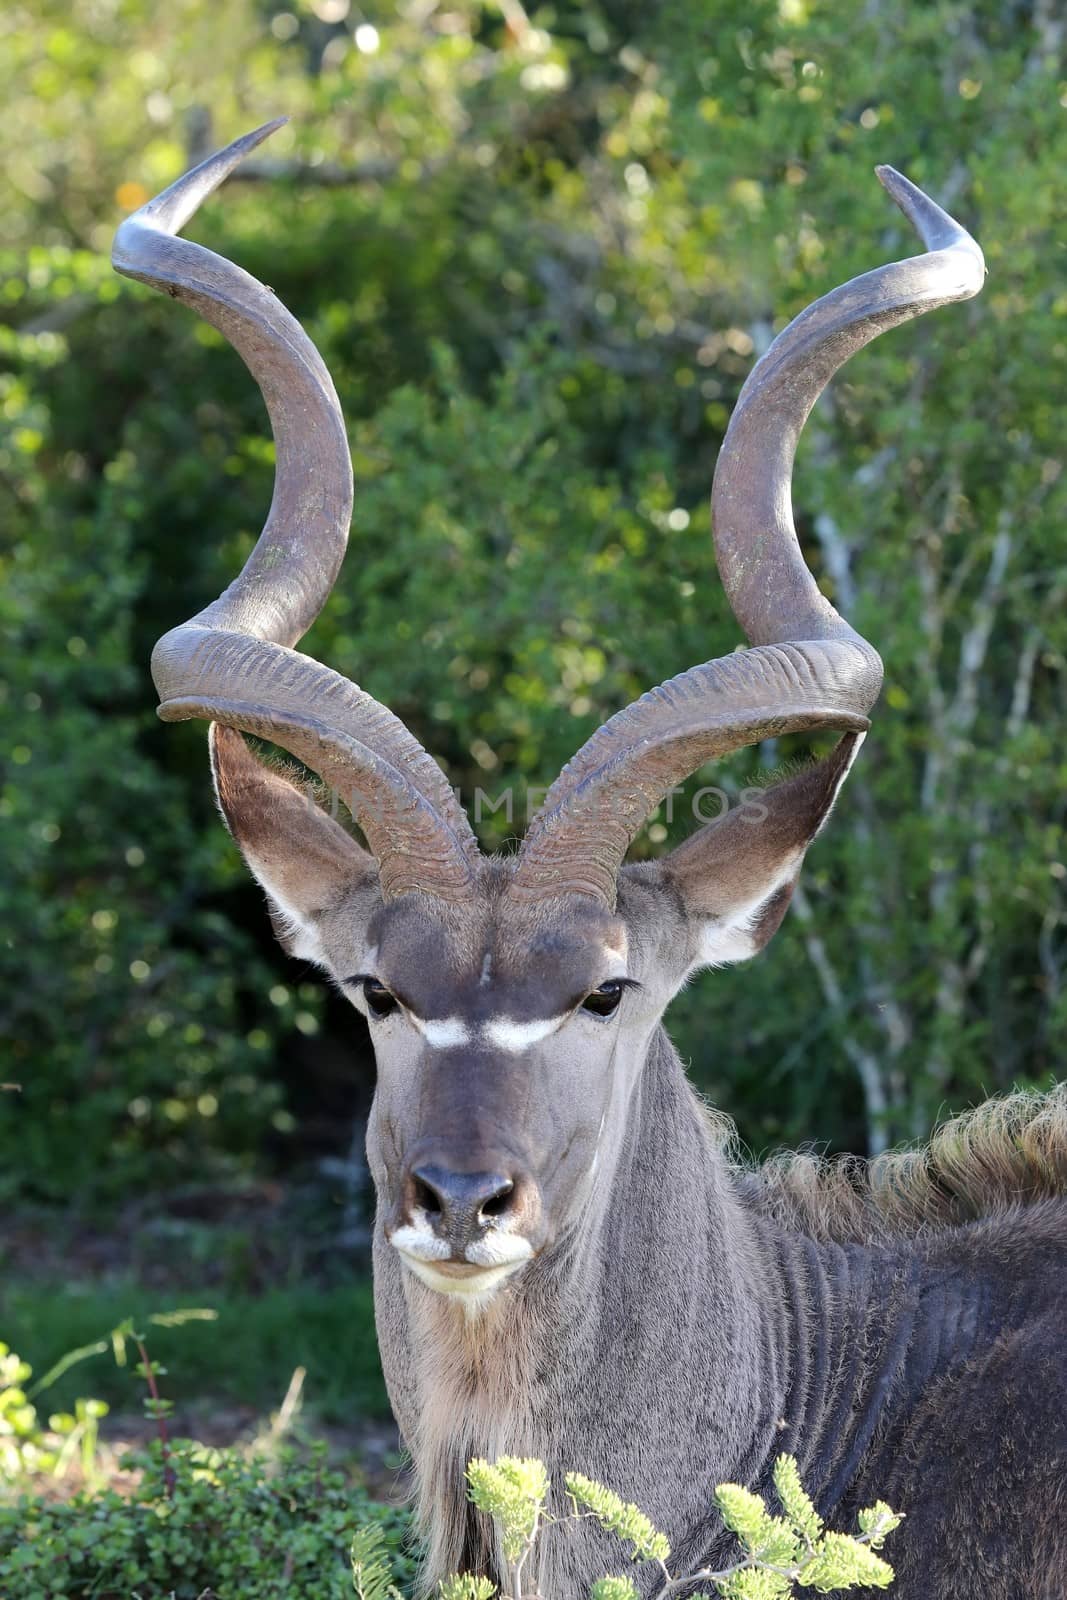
692, 1340
685, 1341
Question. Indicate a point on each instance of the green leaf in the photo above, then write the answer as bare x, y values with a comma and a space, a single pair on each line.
614, 1588
841, 1562
754, 1584
465, 1586
511, 1490
796, 1503
763, 1535
372, 1575
65, 1363
177, 1319
877, 1521
619, 1517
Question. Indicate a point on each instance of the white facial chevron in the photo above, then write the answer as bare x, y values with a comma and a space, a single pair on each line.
444, 1033
503, 1032
516, 1036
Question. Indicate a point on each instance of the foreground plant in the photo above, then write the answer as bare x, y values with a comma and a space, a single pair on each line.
238, 1525
30, 1449
778, 1551
245, 1524
29, 1446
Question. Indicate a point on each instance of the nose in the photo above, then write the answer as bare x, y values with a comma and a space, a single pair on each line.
462, 1207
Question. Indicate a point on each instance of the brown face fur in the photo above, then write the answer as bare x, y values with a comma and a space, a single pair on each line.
509, 1034
491, 1061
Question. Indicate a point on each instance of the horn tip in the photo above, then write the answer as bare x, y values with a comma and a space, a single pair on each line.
248, 141
935, 227
170, 211
916, 205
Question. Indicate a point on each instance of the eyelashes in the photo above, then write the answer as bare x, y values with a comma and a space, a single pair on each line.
602, 1002
381, 1002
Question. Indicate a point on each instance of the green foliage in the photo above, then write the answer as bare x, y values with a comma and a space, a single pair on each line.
797, 1503
21, 1437
27, 1451
768, 1538
614, 1588
877, 1521
780, 1552
245, 1356
841, 1562
539, 261
27, 1445
627, 1521
512, 1491
372, 1570
191, 1520
196, 1519
234, 1525
754, 1583
464, 1586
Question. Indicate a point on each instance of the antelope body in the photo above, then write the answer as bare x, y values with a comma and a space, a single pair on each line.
568, 1263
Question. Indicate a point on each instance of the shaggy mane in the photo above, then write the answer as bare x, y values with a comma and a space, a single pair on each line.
1010, 1151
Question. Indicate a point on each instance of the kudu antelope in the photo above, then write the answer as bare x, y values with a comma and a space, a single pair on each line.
567, 1262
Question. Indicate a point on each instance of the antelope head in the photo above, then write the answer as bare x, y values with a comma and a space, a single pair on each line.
512, 1000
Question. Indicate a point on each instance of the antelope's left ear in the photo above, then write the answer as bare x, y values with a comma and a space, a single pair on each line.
736, 876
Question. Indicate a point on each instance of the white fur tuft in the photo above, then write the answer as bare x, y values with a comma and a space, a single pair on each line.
725, 940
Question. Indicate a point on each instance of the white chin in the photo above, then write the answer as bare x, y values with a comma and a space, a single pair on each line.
471, 1285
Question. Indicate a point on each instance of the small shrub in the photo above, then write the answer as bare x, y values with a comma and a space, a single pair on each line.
191, 1522
197, 1523
240, 1527
777, 1552
27, 1446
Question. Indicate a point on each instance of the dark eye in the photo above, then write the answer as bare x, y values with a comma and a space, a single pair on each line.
604, 1002
380, 1003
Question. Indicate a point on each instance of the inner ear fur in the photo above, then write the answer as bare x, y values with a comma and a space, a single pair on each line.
736, 876
302, 858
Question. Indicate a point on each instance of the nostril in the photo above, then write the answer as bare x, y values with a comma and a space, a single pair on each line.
460, 1206
426, 1197
498, 1203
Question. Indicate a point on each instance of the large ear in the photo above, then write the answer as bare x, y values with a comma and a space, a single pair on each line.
302, 858
736, 876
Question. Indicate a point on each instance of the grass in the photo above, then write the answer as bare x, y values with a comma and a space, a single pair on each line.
245, 1357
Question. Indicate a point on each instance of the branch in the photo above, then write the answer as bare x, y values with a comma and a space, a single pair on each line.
326, 174
837, 559
59, 316
975, 643
866, 1064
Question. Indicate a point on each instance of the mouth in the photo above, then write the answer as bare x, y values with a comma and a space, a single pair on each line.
458, 1279
461, 1271
486, 1264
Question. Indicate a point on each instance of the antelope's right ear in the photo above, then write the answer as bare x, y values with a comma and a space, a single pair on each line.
303, 859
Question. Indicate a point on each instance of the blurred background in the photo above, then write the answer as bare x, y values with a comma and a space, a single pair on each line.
539, 250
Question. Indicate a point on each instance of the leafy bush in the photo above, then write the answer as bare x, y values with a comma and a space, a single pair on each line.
248, 1528
194, 1522
777, 1551
188, 1521
240, 1526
